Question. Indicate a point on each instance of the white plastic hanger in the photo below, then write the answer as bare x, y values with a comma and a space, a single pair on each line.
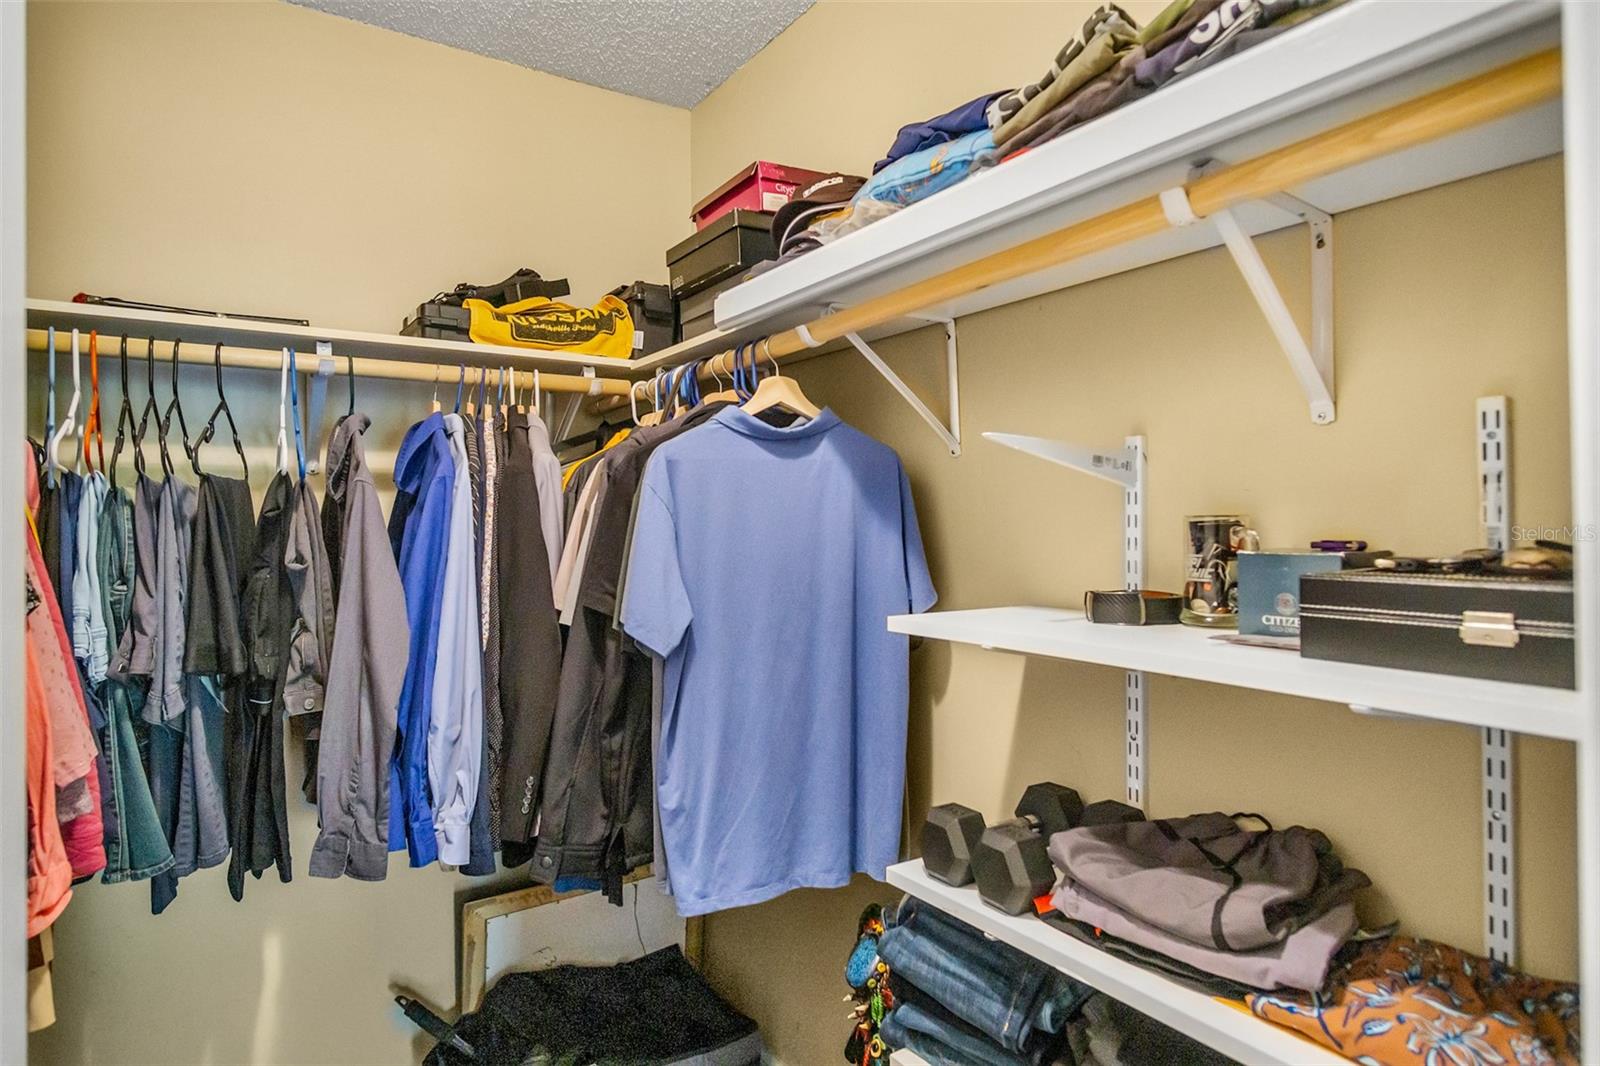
633, 399
779, 391
70, 423
283, 412
654, 417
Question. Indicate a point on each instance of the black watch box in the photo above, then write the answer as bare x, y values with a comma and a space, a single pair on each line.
1500, 627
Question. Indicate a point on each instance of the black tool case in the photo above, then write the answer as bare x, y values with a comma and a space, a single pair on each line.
439, 321
1494, 626
655, 316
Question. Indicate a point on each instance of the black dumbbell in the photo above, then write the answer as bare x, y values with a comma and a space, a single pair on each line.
1011, 861
1110, 812
948, 837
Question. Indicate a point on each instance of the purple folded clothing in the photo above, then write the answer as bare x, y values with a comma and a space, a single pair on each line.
1299, 961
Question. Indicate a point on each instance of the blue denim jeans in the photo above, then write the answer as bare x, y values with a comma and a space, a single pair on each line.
942, 1040
1004, 994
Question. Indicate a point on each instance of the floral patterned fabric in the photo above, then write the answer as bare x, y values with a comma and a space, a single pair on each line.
1401, 1001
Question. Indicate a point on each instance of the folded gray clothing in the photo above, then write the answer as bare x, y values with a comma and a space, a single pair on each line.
1207, 881
1299, 961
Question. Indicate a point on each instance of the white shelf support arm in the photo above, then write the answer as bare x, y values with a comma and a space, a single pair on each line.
950, 434
1311, 362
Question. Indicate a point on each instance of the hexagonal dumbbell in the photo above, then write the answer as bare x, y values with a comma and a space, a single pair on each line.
1110, 812
1011, 861
948, 837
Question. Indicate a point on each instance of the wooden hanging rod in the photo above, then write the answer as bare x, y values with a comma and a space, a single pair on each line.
1452, 109
308, 362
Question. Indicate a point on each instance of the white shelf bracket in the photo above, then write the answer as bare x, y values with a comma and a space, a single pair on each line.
1499, 768
949, 433
1312, 362
1124, 466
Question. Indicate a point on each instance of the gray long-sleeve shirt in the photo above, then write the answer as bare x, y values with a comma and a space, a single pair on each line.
365, 672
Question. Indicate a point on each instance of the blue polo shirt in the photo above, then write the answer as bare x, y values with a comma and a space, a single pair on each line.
419, 528
765, 564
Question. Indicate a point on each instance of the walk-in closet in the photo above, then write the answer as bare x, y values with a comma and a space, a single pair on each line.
908, 533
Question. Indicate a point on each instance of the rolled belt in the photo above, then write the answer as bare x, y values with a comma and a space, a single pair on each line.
1133, 607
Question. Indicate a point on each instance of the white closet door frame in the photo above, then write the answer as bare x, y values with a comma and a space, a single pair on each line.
13, 389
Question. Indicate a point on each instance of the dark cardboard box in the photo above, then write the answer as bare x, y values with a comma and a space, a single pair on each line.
1491, 626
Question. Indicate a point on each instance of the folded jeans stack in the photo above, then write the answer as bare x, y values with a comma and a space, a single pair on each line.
963, 998
1258, 908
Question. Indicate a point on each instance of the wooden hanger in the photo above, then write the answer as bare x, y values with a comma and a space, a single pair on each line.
779, 391
722, 395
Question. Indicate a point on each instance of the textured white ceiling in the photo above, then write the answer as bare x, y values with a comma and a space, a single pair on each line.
672, 51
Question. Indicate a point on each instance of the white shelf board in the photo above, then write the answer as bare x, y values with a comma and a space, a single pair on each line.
1349, 62
202, 329
1221, 1024
1184, 651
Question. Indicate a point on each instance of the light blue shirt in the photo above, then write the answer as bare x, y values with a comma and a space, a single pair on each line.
455, 727
764, 566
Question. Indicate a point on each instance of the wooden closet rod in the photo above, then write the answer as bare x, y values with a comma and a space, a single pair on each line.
267, 359
1454, 108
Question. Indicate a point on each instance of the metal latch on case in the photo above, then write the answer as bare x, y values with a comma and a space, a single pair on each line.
1489, 629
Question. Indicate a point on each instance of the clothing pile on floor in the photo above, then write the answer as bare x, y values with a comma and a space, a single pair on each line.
653, 1011
1110, 62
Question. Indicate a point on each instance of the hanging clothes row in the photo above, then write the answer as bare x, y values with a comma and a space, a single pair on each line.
672, 651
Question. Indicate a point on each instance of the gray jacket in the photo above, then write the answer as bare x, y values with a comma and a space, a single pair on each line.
365, 672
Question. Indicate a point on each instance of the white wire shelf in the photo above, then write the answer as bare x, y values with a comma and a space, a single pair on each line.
1182, 651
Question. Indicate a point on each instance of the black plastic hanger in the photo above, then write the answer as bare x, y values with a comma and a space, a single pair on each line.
350, 377
211, 423
176, 404
125, 419
150, 406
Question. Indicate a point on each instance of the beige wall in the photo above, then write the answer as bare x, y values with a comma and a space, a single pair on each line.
265, 158
1441, 297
